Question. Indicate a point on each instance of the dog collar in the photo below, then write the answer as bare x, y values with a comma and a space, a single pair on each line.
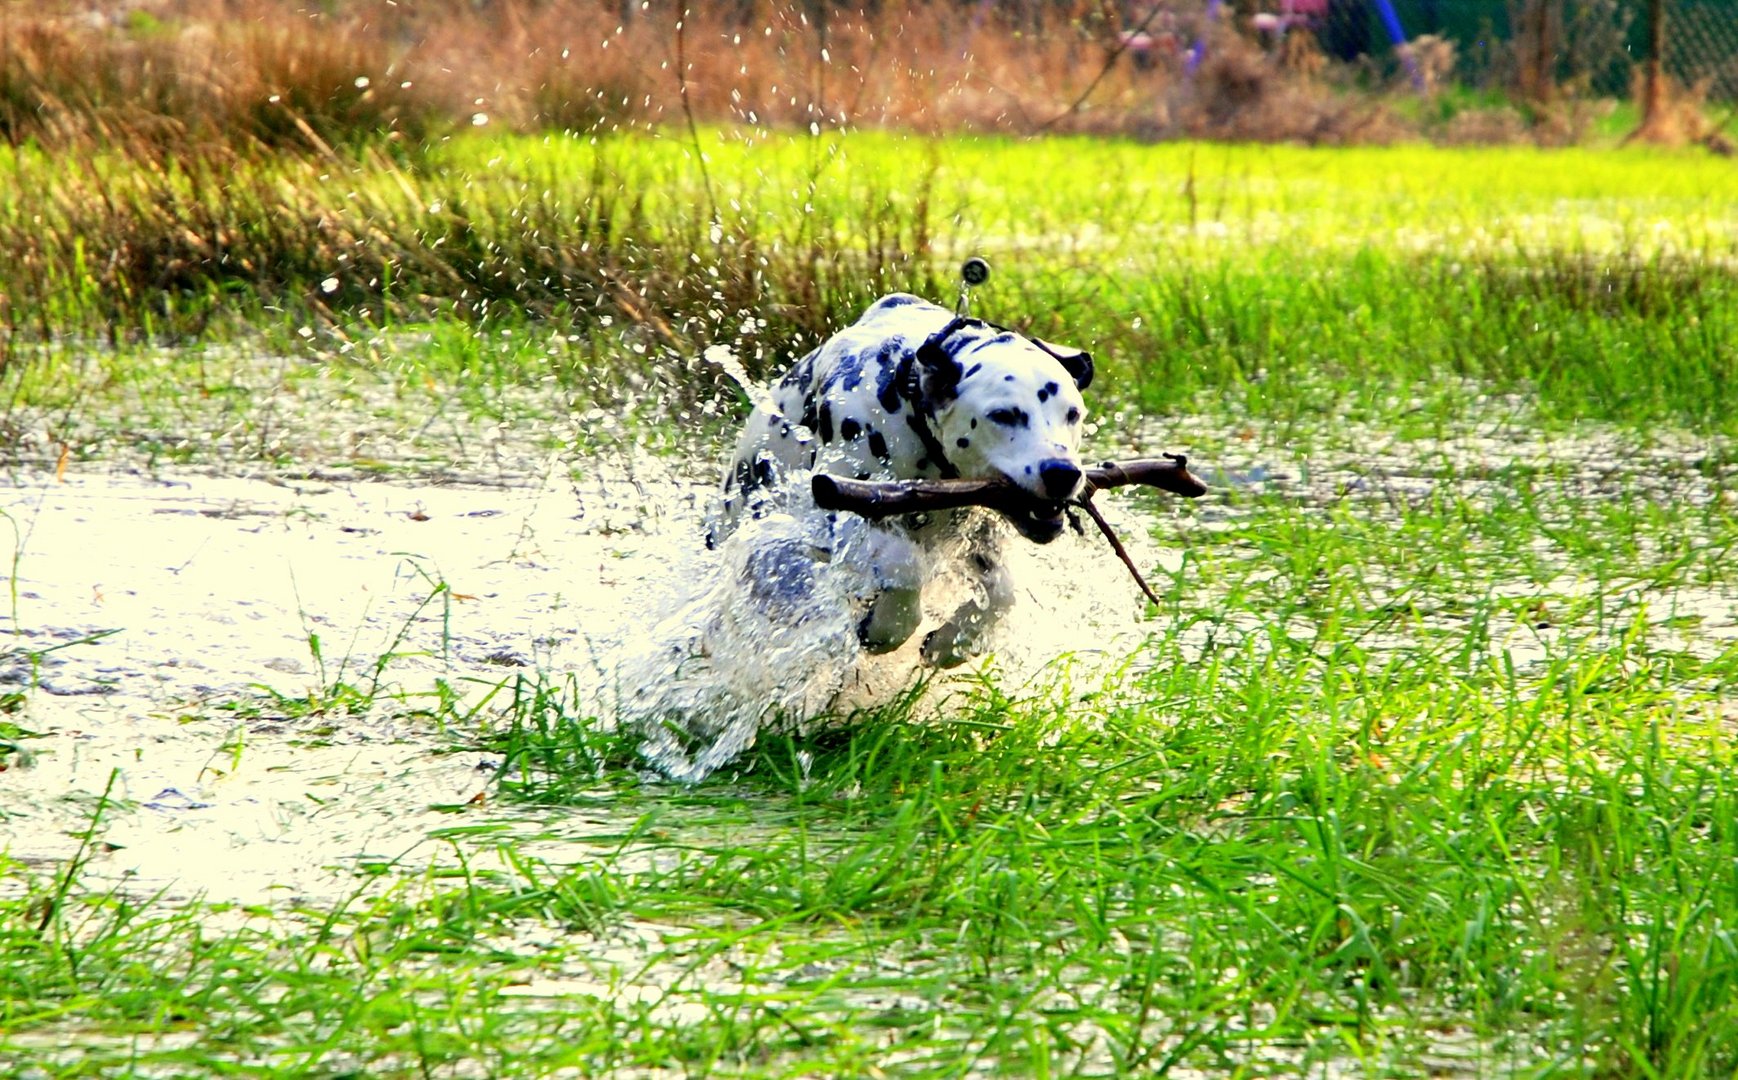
910, 383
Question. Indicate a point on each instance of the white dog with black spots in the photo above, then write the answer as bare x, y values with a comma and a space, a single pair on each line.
913, 391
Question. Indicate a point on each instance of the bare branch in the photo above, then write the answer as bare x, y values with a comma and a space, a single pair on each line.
1121, 552
885, 498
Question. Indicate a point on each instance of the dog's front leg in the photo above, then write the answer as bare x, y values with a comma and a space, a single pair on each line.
895, 568
955, 641
892, 619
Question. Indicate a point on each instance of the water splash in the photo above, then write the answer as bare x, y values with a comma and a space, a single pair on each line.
766, 638
761, 634
725, 357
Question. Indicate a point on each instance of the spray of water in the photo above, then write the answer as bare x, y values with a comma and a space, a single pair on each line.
761, 633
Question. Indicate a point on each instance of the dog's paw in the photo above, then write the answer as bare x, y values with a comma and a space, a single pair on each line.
780, 576
944, 647
891, 620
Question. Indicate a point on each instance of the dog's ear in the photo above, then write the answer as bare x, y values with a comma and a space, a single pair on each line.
939, 372
1077, 362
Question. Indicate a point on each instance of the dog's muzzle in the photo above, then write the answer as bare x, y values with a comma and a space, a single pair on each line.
1040, 519
1060, 478
1041, 522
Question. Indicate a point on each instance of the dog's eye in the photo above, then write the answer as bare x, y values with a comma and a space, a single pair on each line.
1009, 417
1073, 415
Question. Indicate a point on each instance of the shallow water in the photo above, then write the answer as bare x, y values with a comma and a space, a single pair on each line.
166, 625
227, 786
506, 560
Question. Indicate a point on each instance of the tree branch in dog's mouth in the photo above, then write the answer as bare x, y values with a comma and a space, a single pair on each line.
1037, 519
876, 499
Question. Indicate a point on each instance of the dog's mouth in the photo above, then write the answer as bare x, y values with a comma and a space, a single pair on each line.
1038, 521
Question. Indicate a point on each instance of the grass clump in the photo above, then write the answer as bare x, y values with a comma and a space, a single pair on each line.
188, 83
1601, 285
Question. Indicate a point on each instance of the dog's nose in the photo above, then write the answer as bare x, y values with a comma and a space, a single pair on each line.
1060, 478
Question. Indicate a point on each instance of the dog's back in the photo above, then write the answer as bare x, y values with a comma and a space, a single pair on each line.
837, 409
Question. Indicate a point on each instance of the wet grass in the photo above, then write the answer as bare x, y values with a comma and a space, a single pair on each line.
1427, 766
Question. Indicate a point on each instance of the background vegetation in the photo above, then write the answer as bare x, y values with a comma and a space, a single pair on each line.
1426, 766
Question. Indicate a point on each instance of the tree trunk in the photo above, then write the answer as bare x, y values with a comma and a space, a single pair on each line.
1544, 52
1653, 89
1656, 120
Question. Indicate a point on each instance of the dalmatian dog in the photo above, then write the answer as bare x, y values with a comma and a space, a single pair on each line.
913, 391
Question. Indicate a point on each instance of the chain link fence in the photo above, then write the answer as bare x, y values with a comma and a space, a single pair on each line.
1538, 47
1702, 44
1574, 46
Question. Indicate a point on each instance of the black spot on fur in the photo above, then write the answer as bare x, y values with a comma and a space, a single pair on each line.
808, 420
962, 442
1010, 417
825, 430
941, 377
973, 370
897, 300
887, 386
878, 444
849, 428
752, 475
974, 421
1049, 388
847, 373
957, 343
1007, 378
802, 373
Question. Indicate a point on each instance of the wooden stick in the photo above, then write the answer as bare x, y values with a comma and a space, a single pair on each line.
1121, 552
885, 498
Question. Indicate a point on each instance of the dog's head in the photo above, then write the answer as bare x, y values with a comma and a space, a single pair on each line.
1008, 406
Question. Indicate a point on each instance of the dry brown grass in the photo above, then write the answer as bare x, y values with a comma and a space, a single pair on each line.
172, 74
268, 71
175, 75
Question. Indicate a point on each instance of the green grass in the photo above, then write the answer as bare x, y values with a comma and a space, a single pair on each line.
1290, 278
1427, 765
